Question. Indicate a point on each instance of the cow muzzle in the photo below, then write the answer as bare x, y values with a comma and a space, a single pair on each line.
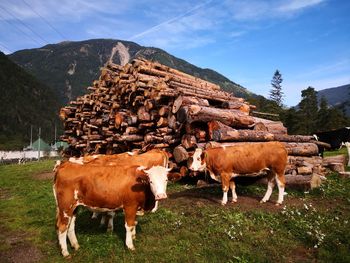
161, 196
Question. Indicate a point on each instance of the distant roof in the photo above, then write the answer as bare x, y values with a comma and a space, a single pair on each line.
43, 145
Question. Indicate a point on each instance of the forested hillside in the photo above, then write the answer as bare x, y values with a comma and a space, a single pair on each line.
24, 102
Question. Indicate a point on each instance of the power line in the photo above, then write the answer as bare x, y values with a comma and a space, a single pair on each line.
47, 22
19, 29
19, 20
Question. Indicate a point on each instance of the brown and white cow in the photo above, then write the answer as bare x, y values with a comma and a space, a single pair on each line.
225, 163
105, 188
148, 159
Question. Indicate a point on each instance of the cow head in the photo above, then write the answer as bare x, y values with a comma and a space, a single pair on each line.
197, 162
157, 177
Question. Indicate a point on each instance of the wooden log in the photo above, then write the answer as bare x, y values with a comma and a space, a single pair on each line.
186, 100
180, 154
131, 130
143, 114
237, 105
275, 127
162, 122
221, 132
304, 182
334, 159
233, 118
301, 149
188, 141
128, 137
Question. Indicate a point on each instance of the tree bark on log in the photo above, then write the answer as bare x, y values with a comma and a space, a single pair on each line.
186, 100
180, 154
232, 118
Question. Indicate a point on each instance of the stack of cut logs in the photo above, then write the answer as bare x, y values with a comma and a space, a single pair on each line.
145, 105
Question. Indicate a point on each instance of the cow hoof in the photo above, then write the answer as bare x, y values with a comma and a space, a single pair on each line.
141, 212
66, 255
234, 201
131, 248
262, 202
76, 246
223, 203
278, 204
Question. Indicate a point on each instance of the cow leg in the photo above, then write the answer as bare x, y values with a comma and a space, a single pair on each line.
130, 226
270, 186
110, 221
281, 182
71, 234
155, 208
94, 215
103, 219
62, 223
233, 189
225, 181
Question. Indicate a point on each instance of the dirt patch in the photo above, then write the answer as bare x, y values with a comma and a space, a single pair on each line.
16, 249
212, 195
44, 176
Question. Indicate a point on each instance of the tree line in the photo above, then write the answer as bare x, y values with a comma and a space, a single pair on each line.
309, 116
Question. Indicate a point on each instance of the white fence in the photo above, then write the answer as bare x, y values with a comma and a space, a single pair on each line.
8, 156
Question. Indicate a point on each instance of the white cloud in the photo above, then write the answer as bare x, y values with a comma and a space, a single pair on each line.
296, 5
253, 10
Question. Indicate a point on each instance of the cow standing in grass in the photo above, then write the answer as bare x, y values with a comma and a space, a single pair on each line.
105, 188
225, 163
148, 159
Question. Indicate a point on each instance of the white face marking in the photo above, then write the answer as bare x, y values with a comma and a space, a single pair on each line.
158, 178
197, 161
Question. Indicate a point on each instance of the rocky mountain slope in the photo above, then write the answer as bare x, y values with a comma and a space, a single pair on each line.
70, 67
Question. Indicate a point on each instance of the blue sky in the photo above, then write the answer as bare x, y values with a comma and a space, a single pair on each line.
308, 41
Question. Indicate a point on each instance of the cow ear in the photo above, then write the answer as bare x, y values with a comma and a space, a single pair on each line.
202, 155
174, 176
141, 176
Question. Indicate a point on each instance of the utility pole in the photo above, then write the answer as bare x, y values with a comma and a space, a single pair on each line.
39, 143
31, 137
55, 147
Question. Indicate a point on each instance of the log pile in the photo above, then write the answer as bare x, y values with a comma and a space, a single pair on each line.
145, 105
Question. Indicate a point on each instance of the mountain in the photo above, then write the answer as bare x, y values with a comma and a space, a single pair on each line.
337, 96
24, 102
70, 67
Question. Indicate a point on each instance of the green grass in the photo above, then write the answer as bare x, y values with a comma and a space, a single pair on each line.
189, 226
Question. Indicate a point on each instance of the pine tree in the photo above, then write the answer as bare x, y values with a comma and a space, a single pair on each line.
323, 116
276, 93
308, 111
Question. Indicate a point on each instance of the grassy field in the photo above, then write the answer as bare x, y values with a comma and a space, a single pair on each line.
190, 226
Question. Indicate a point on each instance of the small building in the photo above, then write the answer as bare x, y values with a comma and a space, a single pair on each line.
35, 146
